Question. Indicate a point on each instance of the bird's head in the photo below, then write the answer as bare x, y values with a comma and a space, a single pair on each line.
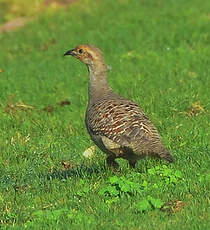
87, 54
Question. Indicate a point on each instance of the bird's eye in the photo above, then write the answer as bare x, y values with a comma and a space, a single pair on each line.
81, 51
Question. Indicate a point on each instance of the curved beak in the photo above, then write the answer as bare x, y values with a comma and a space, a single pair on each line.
70, 52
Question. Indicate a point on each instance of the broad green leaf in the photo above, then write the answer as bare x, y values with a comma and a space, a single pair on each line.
156, 203
144, 205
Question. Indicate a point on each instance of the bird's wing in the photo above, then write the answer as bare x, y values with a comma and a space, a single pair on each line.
122, 122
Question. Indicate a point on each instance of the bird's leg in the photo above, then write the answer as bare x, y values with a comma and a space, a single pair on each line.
132, 163
110, 160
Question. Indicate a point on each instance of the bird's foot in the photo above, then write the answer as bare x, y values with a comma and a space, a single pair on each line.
132, 164
112, 163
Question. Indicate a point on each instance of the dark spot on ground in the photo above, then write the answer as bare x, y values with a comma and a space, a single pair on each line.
173, 206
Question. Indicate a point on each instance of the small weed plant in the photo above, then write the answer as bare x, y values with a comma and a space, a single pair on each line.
136, 184
149, 204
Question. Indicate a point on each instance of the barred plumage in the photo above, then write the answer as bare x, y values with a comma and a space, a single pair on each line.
117, 125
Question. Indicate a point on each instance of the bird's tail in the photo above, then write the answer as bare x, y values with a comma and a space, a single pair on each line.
166, 155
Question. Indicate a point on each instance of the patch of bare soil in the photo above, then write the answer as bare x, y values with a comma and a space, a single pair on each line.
19, 22
59, 2
14, 24
51, 108
195, 109
173, 206
13, 107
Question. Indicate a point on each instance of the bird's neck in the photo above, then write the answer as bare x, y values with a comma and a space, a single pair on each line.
98, 85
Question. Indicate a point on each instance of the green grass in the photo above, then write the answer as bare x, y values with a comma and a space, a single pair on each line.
159, 53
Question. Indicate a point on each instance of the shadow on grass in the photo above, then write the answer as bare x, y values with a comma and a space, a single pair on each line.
80, 171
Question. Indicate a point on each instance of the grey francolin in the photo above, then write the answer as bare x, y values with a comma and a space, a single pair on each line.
117, 125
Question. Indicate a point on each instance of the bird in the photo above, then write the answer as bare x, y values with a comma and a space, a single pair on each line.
118, 126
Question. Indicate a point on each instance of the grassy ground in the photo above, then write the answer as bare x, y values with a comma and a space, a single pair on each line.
159, 53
